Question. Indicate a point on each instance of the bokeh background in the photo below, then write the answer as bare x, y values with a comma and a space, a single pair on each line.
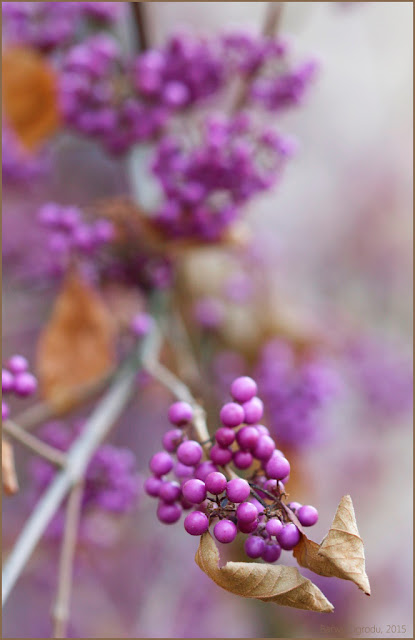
336, 244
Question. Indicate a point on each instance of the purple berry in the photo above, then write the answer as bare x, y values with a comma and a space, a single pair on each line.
262, 429
203, 470
183, 471
274, 526
141, 324
170, 491
25, 384
18, 364
289, 536
254, 547
246, 512
243, 389
271, 485
253, 410
232, 414
307, 515
7, 382
238, 490
247, 437
196, 523
161, 463
189, 452
242, 459
225, 436
152, 486
277, 467
216, 483
194, 491
5, 411
294, 506
248, 527
172, 439
225, 531
220, 455
271, 553
180, 413
168, 513
264, 448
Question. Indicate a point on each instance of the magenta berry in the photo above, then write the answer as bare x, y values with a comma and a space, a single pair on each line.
194, 491
246, 512
225, 531
243, 389
264, 448
254, 547
161, 463
180, 413
216, 483
274, 526
18, 364
196, 523
189, 452
289, 537
168, 513
242, 459
183, 471
237, 490
307, 515
5, 412
141, 324
220, 455
271, 553
277, 468
152, 486
170, 491
294, 506
262, 429
204, 468
248, 527
25, 384
172, 439
232, 414
247, 438
225, 436
253, 410
7, 382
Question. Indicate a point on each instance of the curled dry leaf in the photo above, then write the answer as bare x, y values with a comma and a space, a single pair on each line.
341, 553
8, 471
29, 96
279, 584
78, 345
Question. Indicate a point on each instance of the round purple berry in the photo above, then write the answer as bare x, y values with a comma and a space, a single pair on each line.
247, 437
161, 463
5, 411
243, 389
168, 513
180, 413
196, 523
141, 324
194, 491
216, 483
277, 468
264, 448
172, 439
307, 515
237, 490
232, 414
248, 527
7, 382
203, 469
225, 531
271, 553
289, 536
220, 455
25, 384
152, 486
253, 410
225, 436
246, 512
183, 471
274, 526
294, 506
170, 491
262, 429
189, 452
271, 485
254, 546
242, 459
18, 364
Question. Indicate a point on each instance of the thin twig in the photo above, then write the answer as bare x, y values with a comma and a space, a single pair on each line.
53, 455
8, 469
138, 10
61, 608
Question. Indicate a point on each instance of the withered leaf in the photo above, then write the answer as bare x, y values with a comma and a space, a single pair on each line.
279, 584
78, 344
29, 95
341, 553
8, 471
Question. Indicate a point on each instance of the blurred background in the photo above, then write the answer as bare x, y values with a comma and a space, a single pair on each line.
329, 265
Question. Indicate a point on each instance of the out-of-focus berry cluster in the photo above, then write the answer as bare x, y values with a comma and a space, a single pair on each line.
16, 379
206, 485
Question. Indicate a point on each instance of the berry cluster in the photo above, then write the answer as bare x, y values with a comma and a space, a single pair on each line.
70, 234
205, 185
16, 378
252, 506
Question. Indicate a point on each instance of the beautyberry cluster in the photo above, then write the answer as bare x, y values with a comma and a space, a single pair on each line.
206, 184
211, 489
16, 379
69, 234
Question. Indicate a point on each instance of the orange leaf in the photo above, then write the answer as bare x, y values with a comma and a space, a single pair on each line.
279, 584
78, 345
29, 96
8, 470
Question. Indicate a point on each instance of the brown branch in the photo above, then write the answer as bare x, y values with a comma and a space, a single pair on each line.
53, 455
8, 471
61, 608
138, 10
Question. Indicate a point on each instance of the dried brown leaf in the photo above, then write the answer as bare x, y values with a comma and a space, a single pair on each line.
78, 345
9, 476
341, 553
279, 584
29, 95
